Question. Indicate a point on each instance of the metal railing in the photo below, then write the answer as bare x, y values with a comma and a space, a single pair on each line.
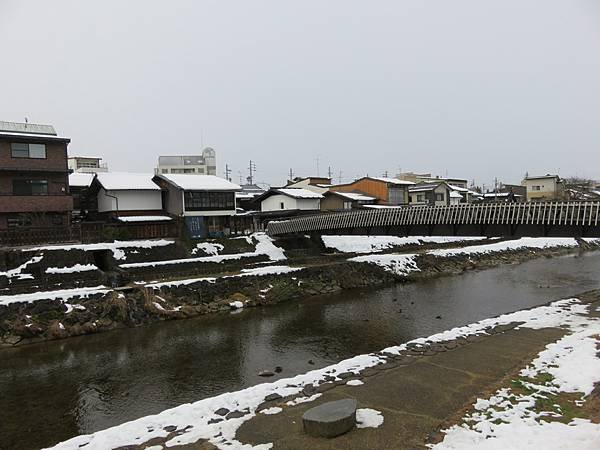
523, 213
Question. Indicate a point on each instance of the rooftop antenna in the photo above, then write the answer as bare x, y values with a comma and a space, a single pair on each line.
227, 172
340, 177
291, 174
26, 122
240, 175
251, 170
329, 173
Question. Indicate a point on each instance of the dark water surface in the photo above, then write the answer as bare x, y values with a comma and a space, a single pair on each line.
52, 391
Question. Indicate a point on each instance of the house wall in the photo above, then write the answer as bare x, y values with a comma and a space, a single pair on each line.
273, 203
549, 189
130, 200
441, 189
332, 203
374, 188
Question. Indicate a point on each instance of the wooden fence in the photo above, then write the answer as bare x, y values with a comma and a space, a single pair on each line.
89, 232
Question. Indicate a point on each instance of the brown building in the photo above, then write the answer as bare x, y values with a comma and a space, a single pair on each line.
34, 187
387, 191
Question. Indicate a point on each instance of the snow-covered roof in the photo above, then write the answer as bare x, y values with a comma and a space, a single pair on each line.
422, 187
498, 194
393, 181
189, 182
80, 179
381, 206
48, 137
123, 181
298, 193
454, 194
144, 218
354, 196
26, 128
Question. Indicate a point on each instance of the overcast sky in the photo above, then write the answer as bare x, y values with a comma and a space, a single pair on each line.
475, 89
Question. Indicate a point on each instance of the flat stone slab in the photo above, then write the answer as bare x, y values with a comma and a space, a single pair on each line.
330, 419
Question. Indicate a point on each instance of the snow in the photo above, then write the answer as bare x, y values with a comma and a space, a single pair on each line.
265, 246
372, 244
18, 271
189, 182
222, 434
511, 420
80, 179
63, 294
454, 194
72, 269
394, 181
144, 218
273, 410
209, 248
259, 271
121, 181
368, 418
298, 193
236, 305
517, 244
353, 196
398, 264
116, 247
354, 383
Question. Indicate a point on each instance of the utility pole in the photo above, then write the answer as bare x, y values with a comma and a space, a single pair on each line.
329, 174
251, 170
240, 175
340, 177
385, 174
227, 172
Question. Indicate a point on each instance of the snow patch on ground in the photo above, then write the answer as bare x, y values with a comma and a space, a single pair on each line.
259, 271
517, 244
395, 263
264, 246
368, 418
18, 271
236, 305
116, 247
374, 244
354, 383
271, 411
222, 434
64, 294
72, 269
511, 420
210, 248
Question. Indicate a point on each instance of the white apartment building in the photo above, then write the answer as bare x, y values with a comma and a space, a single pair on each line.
204, 164
86, 164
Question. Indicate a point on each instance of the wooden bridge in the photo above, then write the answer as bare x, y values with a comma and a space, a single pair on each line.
493, 219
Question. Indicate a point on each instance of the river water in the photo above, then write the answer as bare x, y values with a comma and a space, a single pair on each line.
55, 390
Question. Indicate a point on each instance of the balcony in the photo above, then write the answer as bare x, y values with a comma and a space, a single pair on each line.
35, 203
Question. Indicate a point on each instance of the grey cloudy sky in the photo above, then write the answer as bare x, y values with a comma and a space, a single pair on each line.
473, 88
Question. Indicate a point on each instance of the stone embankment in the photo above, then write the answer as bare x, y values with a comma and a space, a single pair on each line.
58, 292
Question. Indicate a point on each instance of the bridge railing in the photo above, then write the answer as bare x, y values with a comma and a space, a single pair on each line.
522, 213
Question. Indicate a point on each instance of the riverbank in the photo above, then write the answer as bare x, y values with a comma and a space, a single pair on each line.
509, 382
255, 277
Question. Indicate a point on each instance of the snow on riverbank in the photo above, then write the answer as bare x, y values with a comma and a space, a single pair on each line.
403, 264
63, 294
72, 269
374, 244
264, 246
517, 244
259, 271
201, 414
513, 420
116, 247
210, 248
18, 271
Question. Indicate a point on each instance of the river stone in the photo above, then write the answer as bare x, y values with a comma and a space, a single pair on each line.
222, 411
273, 397
330, 419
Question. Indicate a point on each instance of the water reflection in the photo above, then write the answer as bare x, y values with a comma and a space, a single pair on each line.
55, 390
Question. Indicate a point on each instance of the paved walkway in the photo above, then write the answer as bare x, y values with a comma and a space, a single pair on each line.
417, 396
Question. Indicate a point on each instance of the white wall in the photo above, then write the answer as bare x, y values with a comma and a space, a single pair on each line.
273, 203
129, 200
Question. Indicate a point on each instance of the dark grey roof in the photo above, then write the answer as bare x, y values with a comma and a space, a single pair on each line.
26, 128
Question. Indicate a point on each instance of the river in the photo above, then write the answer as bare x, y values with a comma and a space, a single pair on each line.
55, 390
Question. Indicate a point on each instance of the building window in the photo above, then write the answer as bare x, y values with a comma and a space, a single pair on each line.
19, 221
420, 198
58, 220
536, 188
439, 197
395, 196
209, 201
165, 170
35, 151
30, 187
347, 205
281, 205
